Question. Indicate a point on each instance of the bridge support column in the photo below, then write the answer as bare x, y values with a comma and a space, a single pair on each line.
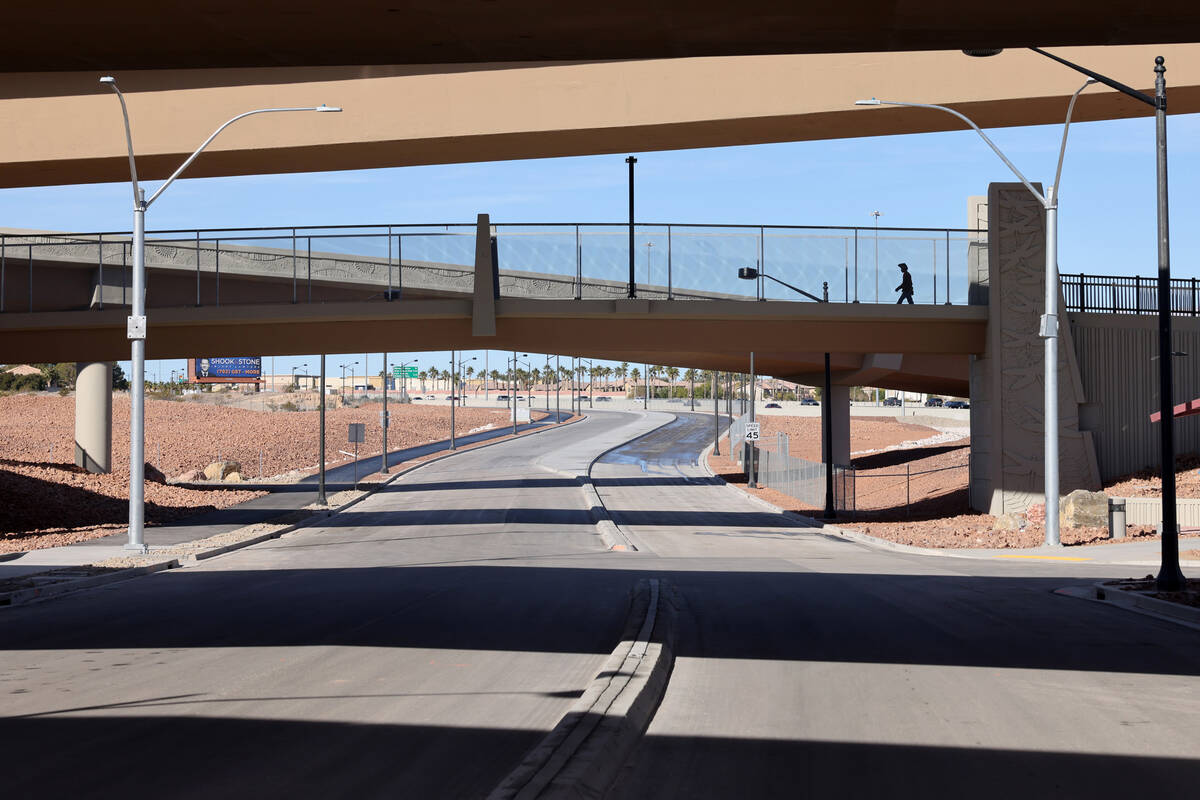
840, 399
93, 416
1008, 381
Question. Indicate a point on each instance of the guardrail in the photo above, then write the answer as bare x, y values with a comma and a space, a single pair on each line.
552, 260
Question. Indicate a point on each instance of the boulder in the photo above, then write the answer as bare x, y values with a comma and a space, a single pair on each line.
218, 470
1084, 509
233, 477
191, 476
1009, 522
154, 474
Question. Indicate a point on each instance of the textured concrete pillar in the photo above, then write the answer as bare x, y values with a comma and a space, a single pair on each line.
93, 416
840, 398
1007, 382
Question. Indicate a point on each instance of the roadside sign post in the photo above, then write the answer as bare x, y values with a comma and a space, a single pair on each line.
356, 435
753, 433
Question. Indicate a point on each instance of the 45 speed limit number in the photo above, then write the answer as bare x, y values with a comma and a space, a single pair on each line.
752, 431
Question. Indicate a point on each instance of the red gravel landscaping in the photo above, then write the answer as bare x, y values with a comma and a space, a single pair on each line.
47, 501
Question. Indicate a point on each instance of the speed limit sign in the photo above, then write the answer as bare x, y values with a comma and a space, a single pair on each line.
752, 429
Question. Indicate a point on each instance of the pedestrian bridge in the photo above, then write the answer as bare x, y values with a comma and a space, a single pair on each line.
563, 288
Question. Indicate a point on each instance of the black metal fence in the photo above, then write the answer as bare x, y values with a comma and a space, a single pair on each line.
1109, 294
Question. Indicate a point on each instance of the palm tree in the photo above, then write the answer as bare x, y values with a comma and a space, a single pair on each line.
672, 374
690, 377
622, 371
635, 375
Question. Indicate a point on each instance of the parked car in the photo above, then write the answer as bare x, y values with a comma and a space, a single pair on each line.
933, 402
430, 397
502, 398
603, 399
956, 404
891, 401
772, 405
520, 397
808, 401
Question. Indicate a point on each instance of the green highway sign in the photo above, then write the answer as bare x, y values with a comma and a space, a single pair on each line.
404, 372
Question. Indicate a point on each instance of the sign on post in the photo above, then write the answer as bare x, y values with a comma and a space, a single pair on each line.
752, 431
357, 433
404, 372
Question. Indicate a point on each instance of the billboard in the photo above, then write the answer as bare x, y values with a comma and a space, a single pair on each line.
238, 369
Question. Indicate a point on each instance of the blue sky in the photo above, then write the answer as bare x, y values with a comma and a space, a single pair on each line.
1107, 215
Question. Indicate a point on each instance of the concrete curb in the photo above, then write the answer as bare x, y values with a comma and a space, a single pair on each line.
610, 532
37, 594
583, 754
22, 597
1108, 593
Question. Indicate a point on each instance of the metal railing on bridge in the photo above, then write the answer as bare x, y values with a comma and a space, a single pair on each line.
1111, 294
545, 260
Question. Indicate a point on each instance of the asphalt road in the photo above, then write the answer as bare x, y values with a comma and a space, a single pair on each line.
809, 667
416, 646
424, 640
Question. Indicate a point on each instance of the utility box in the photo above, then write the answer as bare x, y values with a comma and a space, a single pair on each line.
357, 434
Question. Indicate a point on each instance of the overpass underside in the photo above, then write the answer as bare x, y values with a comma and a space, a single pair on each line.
913, 347
60, 128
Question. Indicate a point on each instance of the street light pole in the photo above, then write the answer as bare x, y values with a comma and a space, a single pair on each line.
1170, 577
875, 214
632, 279
1049, 322
136, 322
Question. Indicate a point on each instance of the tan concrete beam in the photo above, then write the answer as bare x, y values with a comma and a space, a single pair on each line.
60, 128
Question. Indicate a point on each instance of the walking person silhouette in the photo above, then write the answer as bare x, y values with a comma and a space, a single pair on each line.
906, 287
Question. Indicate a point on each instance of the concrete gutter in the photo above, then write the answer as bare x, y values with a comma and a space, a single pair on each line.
582, 755
37, 594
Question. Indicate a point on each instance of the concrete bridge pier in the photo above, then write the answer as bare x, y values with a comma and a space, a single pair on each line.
93, 416
1007, 382
840, 398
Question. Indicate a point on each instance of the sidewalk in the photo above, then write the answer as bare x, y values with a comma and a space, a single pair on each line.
282, 498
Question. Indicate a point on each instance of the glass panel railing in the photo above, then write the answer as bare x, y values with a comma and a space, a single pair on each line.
705, 261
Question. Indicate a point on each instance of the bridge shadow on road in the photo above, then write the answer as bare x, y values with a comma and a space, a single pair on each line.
189, 746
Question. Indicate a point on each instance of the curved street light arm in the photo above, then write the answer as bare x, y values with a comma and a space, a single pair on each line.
1062, 150
1041, 198
214, 135
112, 84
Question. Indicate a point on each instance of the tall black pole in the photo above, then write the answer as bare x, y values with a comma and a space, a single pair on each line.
1170, 577
632, 280
383, 419
716, 417
321, 455
453, 395
827, 413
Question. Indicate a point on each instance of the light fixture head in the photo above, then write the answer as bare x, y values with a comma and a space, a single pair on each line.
747, 273
983, 52
871, 102
324, 107
109, 79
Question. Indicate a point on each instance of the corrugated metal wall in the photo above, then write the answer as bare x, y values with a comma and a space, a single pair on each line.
1118, 360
